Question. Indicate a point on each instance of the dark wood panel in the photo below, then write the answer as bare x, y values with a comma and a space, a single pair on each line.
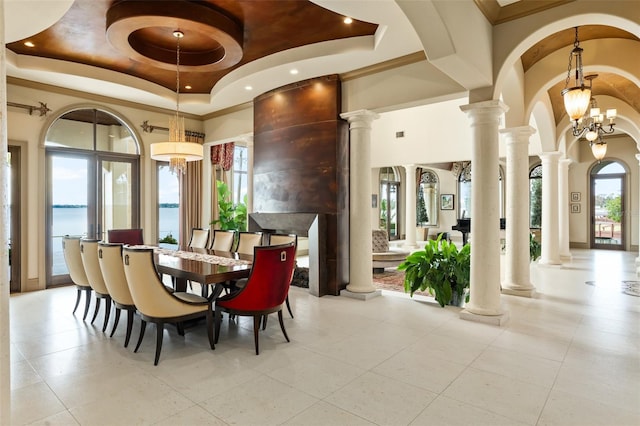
310, 145
304, 102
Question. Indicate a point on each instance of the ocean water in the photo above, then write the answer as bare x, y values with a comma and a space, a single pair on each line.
73, 221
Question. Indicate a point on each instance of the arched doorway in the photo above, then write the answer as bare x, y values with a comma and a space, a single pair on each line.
389, 191
92, 169
607, 205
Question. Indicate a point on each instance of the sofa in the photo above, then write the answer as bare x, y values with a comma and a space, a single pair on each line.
383, 256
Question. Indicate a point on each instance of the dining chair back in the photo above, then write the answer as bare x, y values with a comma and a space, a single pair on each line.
125, 236
223, 240
247, 241
265, 291
155, 303
73, 260
89, 254
275, 239
199, 238
110, 259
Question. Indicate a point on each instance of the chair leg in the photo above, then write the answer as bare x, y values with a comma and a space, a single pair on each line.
217, 320
282, 325
256, 328
143, 326
288, 306
95, 312
107, 313
77, 300
159, 334
115, 322
180, 328
264, 321
87, 302
210, 328
130, 315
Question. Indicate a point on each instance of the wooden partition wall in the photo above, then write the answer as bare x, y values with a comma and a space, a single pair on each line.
301, 165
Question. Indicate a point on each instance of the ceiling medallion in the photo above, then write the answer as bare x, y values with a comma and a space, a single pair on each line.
144, 32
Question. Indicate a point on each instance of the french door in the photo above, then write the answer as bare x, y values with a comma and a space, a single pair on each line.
607, 211
389, 208
87, 194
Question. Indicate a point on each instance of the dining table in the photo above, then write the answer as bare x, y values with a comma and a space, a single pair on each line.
204, 266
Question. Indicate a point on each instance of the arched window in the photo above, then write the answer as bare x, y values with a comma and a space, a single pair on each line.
427, 201
464, 192
389, 190
535, 197
92, 169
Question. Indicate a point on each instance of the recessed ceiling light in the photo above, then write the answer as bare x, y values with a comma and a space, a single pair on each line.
293, 71
248, 88
348, 20
29, 44
188, 87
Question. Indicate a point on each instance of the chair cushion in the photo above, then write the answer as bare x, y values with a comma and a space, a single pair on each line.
380, 241
190, 297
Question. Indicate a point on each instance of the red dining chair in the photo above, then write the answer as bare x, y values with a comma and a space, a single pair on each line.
125, 236
265, 291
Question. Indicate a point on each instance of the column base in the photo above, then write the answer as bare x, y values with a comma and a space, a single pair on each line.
498, 320
360, 296
566, 257
522, 292
550, 263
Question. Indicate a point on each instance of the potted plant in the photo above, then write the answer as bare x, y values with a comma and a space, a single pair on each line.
535, 249
441, 269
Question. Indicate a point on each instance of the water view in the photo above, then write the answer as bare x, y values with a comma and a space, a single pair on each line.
73, 221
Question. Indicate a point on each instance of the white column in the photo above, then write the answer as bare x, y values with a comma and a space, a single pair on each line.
360, 227
484, 304
249, 141
563, 209
638, 258
550, 248
517, 280
5, 350
410, 203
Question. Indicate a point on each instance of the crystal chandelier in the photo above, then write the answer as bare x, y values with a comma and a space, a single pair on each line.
177, 151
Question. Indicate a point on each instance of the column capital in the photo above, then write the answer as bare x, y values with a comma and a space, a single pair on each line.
410, 167
360, 118
550, 156
520, 133
565, 162
638, 157
485, 109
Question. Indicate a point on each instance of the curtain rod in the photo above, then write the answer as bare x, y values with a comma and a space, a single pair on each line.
149, 128
42, 109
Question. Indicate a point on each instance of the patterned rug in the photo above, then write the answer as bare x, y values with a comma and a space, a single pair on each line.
632, 288
392, 280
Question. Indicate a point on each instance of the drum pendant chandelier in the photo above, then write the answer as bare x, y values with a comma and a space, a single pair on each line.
177, 151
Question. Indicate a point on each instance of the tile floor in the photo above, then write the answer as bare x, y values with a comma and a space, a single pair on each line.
570, 356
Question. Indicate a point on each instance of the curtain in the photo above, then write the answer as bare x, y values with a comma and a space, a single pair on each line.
221, 162
190, 207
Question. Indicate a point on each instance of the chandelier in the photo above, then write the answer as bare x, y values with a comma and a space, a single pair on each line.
177, 151
577, 100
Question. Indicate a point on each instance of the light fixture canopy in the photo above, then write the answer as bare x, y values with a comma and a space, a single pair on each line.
177, 151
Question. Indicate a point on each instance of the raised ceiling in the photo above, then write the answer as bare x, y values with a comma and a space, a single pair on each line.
136, 37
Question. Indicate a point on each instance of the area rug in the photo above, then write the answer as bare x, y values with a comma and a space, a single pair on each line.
392, 280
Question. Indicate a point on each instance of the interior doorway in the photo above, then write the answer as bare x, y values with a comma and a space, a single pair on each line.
607, 206
15, 262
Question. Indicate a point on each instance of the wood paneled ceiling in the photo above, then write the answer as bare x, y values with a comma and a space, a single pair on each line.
136, 37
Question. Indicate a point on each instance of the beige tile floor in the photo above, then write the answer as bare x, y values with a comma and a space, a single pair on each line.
570, 356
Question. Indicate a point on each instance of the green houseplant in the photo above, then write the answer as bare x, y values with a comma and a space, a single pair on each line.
230, 216
535, 249
441, 269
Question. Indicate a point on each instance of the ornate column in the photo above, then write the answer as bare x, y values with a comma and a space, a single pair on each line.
484, 305
410, 203
360, 245
5, 350
550, 247
563, 209
517, 280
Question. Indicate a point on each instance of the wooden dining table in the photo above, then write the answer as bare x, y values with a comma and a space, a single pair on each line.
207, 267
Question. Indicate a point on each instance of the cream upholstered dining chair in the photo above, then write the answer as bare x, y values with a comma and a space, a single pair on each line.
199, 238
155, 303
247, 241
222, 240
265, 290
110, 259
89, 254
73, 259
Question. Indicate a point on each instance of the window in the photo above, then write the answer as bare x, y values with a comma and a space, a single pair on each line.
168, 205
427, 201
240, 174
464, 192
535, 197
389, 189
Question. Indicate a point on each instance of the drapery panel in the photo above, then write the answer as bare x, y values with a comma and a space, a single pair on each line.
221, 162
190, 210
